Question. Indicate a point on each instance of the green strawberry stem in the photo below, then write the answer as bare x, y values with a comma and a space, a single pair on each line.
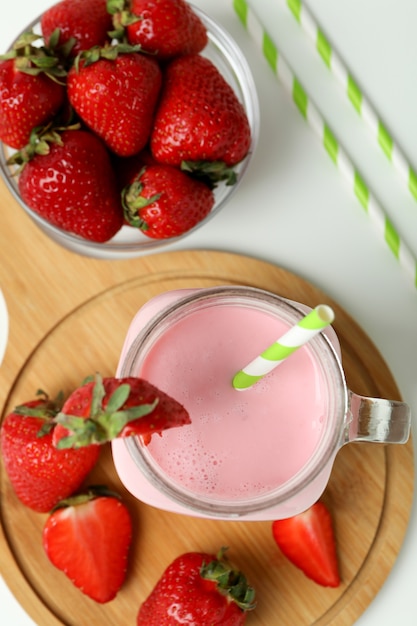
230, 582
104, 423
210, 172
133, 202
122, 17
62, 51
45, 410
40, 141
90, 493
108, 52
35, 60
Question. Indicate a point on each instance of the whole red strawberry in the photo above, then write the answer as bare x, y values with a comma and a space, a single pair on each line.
40, 474
87, 22
73, 186
199, 117
116, 407
116, 96
308, 541
198, 589
165, 202
88, 537
167, 28
29, 94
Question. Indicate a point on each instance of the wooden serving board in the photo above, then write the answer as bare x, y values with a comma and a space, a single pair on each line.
64, 328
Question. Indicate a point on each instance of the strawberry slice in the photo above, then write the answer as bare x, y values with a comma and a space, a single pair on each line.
88, 538
106, 408
308, 541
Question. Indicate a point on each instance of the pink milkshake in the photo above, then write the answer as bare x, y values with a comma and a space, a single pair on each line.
239, 444
262, 453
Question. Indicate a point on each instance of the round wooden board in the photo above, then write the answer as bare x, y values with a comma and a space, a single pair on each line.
369, 494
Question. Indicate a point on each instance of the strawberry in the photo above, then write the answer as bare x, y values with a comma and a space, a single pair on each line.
40, 474
165, 202
83, 23
307, 540
115, 407
199, 117
88, 537
115, 94
166, 28
198, 589
30, 91
72, 184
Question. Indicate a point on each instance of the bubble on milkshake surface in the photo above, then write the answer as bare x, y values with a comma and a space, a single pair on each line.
240, 409
204, 418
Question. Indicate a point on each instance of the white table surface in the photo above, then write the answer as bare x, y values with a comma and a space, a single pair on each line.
294, 209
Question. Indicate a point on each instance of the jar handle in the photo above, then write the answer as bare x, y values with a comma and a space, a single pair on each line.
378, 420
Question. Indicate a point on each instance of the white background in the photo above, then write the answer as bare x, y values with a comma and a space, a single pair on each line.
294, 208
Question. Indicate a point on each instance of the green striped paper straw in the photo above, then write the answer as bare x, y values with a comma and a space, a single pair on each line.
298, 335
377, 216
355, 95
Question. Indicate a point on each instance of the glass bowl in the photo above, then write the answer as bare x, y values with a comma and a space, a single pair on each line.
129, 242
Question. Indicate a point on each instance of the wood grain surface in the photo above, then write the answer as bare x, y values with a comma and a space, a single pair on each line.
68, 317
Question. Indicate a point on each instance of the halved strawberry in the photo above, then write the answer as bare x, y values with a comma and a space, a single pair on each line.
104, 409
88, 537
308, 541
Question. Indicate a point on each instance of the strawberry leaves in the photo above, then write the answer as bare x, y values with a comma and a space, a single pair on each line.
229, 582
122, 17
104, 423
110, 53
45, 409
40, 141
34, 60
105, 408
210, 172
